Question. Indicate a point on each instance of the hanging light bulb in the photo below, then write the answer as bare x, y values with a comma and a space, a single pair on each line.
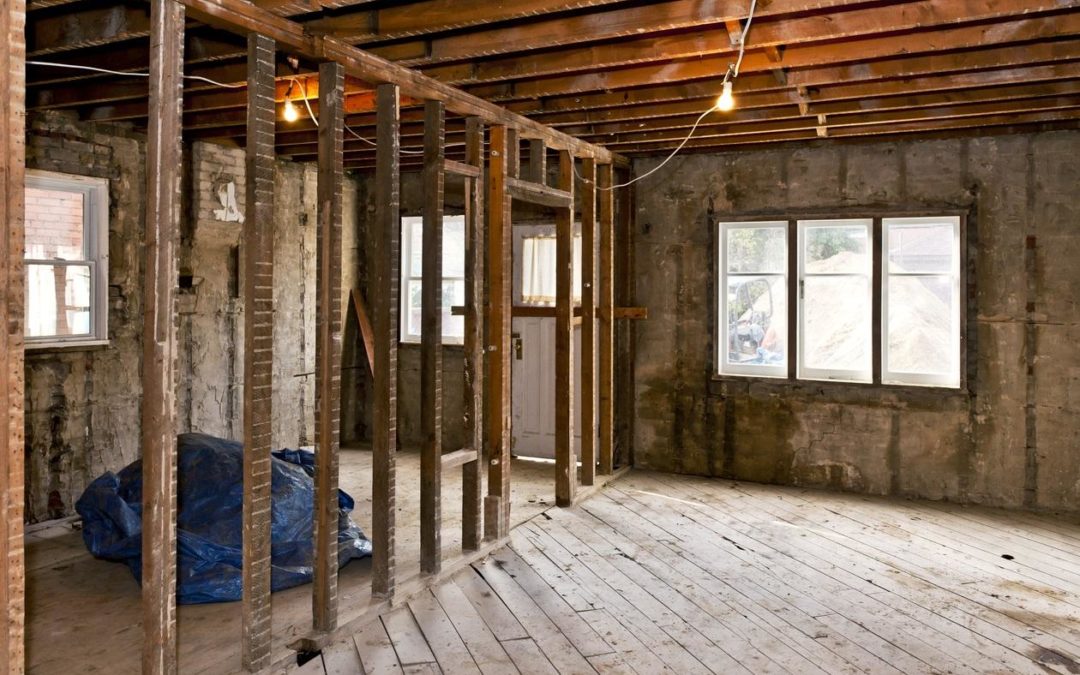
726, 102
289, 110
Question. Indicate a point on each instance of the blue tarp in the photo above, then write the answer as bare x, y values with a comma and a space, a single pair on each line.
210, 507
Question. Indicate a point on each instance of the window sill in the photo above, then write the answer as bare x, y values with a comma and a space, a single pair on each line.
415, 344
838, 392
65, 346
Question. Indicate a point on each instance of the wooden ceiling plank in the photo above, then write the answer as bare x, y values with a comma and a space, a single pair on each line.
874, 24
609, 24
714, 67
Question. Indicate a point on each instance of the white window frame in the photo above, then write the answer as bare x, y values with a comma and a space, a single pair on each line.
779, 370
95, 192
834, 374
952, 379
407, 223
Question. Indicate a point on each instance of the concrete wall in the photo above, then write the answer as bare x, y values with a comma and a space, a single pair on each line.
1011, 441
83, 405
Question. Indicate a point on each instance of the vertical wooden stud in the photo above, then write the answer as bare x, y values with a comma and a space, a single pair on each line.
258, 351
12, 310
158, 434
513, 153
565, 456
537, 161
328, 342
385, 321
471, 473
588, 321
431, 308
497, 382
606, 376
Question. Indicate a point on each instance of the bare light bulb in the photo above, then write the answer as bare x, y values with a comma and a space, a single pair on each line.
290, 112
726, 102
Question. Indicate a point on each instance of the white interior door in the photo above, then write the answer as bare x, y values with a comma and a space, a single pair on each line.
533, 346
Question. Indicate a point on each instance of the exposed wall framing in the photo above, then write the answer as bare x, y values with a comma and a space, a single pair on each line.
12, 308
158, 434
258, 352
328, 343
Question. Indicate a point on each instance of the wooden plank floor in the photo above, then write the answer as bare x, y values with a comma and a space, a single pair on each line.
670, 574
83, 614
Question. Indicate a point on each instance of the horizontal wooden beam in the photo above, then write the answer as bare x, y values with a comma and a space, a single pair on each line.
535, 193
242, 17
461, 168
456, 458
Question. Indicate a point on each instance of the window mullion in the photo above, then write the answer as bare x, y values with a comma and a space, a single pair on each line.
876, 293
793, 350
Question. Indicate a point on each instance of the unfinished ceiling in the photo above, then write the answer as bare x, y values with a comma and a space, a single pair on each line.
632, 76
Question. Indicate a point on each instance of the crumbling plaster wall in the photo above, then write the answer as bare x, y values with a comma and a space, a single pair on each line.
82, 405
1011, 440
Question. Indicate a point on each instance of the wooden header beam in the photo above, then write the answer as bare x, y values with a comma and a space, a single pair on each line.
243, 17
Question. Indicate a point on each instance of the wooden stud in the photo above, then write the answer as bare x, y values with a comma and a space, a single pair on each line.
497, 382
565, 456
513, 153
158, 433
328, 343
431, 327
538, 193
12, 309
258, 353
472, 473
385, 319
606, 376
588, 321
538, 161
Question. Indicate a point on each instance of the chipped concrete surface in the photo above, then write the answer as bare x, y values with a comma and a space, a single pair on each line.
969, 447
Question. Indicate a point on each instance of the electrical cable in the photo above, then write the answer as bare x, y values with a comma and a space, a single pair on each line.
729, 76
124, 73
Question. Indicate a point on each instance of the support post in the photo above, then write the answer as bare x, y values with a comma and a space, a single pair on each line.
606, 376
258, 352
565, 457
12, 313
431, 398
158, 433
538, 161
497, 383
328, 342
471, 472
588, 321
385, 321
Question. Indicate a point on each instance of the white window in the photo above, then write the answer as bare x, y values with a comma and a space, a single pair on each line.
453, 283
753, 298
835, 300
67, 259
538, 270
921, 301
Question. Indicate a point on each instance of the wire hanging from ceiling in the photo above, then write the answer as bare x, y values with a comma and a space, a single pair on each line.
726, 85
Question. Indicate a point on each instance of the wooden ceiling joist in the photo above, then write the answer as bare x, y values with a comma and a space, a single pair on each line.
242, 17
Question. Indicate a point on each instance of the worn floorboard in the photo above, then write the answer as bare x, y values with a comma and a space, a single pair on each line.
662, 573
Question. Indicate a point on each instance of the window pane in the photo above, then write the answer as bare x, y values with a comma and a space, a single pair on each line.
453, 294
54, 225
454, 246
922, 334
836, 249
414, 294
756, 314
836, 323
57, 300
415, 232
756, 250
926, 246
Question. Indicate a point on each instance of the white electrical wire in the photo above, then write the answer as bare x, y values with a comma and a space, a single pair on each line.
124, 73
730, 75
315, 121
